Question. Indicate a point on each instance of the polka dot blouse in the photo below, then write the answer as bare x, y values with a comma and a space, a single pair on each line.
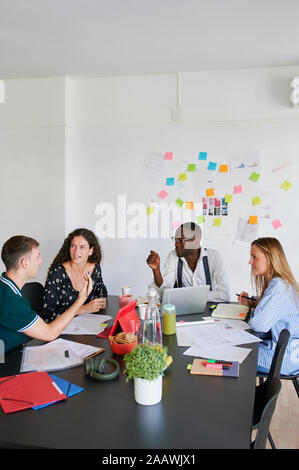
59, 293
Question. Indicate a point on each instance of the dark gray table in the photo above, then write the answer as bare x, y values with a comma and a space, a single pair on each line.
196, 412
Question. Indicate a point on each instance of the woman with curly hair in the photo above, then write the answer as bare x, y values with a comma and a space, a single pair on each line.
80, 254
277, 304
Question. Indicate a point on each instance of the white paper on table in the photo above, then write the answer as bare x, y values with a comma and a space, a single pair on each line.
238, 324
51, 356
231, 353
215, 336
86, 324
182, 340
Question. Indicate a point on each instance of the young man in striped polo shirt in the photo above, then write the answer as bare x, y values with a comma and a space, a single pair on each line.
18, 322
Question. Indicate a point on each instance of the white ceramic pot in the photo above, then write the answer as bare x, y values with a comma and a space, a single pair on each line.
148, 392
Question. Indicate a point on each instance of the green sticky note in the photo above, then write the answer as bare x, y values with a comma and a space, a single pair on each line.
179, 202
217, 221
183, 177
191, 167
189, 366
104, 324
286, 185
213, 306
150, 210
256, 200
254, 177
200, 219
228, 198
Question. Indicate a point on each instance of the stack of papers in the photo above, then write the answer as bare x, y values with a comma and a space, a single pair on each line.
57, 355
86, 324
216, 340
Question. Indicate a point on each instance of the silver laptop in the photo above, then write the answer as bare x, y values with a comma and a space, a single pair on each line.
187, 299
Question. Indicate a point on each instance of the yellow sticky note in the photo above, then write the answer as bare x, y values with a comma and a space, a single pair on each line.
286, 185
150, 210
253, 219
183, 177
256, 200
210, 192
189, 205
104, 324
228, 198
223, 168
189, 366
217, 221
200, 219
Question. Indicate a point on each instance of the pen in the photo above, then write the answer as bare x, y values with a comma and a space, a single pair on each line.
94, 354
245, 297
68, 389
227, 364
220, 362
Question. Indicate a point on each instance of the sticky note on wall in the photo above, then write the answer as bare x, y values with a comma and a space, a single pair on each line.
200, 219
179, 202
217, 221
191, 167
168, 156
182, 176
286, 185
256, 200
212, 166
223, 168
189, 205
228, 198
238, 189
254, 177
169, 181
163, 194
252, 219
210, 192
276, 224
150, 210
202, 156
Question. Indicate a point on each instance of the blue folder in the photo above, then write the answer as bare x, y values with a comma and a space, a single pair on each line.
65, 387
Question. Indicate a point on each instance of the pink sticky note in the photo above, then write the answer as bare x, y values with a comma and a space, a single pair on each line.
238, 189
176, 224
168, 156
276, 223
163, 194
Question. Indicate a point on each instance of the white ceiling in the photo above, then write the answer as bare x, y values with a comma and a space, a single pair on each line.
121, 37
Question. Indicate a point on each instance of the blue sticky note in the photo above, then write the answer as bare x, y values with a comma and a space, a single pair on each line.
212, 166
170, 181
64, 387
202, 156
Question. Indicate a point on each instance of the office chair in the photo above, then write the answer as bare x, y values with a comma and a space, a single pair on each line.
33, 291
274, 372
264, 407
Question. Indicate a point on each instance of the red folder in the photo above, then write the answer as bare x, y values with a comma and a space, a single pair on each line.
22, 391
126, 320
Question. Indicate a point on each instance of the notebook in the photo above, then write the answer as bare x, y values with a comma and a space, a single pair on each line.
233, 311
200, 369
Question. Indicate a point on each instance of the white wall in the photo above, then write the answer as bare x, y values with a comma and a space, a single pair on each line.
67, 145
115, 122
32, 149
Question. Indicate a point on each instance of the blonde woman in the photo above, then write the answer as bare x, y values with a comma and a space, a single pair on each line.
277, 304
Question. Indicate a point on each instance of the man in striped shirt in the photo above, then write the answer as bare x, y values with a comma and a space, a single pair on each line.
18, 321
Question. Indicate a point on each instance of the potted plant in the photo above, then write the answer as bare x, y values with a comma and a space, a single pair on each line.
146, 365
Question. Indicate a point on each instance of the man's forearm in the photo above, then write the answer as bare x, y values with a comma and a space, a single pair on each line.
158, 279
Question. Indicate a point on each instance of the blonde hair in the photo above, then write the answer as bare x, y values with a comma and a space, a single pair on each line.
277, 265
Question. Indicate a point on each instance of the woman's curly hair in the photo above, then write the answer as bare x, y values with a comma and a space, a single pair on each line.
64, 252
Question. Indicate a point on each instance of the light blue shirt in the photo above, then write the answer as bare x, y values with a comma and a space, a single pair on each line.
278, 309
